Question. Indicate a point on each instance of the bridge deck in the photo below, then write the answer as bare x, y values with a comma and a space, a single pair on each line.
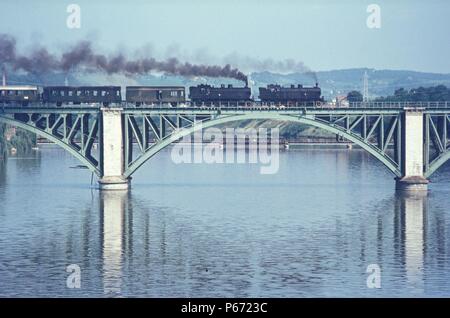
128, 108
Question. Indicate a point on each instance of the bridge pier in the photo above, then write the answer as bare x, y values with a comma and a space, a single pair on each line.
111, 151
412, 157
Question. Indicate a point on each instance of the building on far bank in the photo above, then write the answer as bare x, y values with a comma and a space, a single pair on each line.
9, 133
340, 101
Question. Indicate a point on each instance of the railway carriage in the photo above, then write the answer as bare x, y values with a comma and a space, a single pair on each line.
151, 95
19, 94
105, 95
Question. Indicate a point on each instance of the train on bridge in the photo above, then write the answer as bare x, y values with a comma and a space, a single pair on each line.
175, 96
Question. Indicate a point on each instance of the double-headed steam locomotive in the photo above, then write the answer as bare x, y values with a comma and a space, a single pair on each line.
200, 95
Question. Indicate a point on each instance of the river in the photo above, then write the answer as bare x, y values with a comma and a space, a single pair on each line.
222, 230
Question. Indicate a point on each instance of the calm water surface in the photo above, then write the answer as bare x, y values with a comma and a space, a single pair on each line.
204, 230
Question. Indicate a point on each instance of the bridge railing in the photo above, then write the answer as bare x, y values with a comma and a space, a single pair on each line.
313, 105
443, 104
254, 105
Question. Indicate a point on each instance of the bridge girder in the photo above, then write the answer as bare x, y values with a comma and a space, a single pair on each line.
436, 141
74, 132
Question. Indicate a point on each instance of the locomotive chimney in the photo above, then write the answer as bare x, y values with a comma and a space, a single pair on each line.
317, 84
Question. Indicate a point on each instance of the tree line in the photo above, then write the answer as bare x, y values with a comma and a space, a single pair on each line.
22, 141
439, 93
3, 147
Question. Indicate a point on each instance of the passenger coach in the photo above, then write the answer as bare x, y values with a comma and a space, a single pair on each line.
19, 94
150, 95
81, 94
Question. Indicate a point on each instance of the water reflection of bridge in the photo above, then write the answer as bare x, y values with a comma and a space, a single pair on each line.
410, 218
120, 244
113, 212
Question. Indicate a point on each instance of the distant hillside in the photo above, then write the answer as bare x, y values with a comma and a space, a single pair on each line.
335, 82
340, 82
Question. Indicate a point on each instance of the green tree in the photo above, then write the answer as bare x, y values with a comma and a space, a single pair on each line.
438, 93
3, 146
23, 141
354, 96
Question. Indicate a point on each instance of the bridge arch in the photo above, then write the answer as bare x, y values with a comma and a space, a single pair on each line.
307, 120
53, 139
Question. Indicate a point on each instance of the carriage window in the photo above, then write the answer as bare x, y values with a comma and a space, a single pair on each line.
182, 93
70, 93
78, 93
95, 93
3, 93
117, 93
173, 93
63, 93
53, 93
10, 93
103, 93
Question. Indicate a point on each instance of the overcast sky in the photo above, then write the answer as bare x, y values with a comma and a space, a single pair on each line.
324, 34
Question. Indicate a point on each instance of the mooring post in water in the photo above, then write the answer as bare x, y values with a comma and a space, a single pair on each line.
412, 158
111, 150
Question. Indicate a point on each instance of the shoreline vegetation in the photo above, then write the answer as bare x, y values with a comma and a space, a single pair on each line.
21, 142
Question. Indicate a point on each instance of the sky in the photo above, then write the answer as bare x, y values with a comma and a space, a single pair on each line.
323, 34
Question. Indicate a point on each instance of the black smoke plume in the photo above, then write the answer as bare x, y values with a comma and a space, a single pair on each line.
82, 57
281, 66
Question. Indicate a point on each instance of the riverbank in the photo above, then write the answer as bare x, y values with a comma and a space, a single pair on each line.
285, 146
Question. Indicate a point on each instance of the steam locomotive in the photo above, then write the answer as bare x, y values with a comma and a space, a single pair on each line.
210, 95
290, 96
200, 95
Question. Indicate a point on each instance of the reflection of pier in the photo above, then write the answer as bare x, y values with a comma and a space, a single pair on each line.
410, 215
113, 205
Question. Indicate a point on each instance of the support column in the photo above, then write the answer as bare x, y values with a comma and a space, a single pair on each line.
412, 159
111, 148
